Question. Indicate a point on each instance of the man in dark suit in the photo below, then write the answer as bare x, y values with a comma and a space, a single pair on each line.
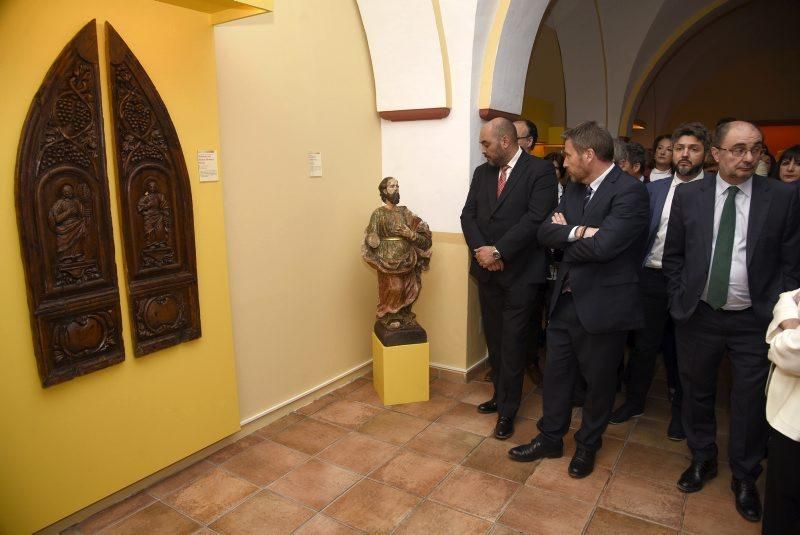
509, 197
600, 224
732, 248
690, 143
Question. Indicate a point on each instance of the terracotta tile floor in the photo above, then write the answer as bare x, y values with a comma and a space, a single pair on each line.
346, 464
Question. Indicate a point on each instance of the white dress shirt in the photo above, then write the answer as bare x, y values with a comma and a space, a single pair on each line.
510, 165
656, 253
594, 185
738, 288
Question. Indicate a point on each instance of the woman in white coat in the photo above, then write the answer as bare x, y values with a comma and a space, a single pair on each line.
782, 497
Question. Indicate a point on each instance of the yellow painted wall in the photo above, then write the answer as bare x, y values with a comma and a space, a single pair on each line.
291, 82
444, 304
67, 446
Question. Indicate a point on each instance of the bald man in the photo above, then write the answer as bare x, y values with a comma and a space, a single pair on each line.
509, 197
732, 247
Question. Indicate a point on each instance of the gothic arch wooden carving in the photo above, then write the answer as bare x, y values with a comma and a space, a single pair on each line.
64, 220
155, 208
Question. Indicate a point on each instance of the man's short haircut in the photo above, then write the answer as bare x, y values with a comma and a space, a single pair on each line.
532, 130
659, 139
636, 154
792, 153
382, 187
620, 150
590, 135
723, 129
695, 129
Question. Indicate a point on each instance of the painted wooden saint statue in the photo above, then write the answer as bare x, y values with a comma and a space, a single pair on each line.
397, 243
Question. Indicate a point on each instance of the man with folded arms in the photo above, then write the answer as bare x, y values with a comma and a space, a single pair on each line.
600, 224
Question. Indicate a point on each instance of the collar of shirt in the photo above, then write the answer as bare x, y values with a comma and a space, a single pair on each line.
677, 181
599, 180
513, 162
745, 187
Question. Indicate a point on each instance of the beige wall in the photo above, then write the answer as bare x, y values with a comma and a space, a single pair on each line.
69, 445
291, 82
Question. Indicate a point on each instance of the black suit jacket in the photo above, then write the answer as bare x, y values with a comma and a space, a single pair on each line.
510, 222
773, 244
603, 270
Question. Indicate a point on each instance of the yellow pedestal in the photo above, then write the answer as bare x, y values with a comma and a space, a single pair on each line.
400, 373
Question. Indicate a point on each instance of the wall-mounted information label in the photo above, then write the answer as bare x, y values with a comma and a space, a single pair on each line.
207, 163
314, 164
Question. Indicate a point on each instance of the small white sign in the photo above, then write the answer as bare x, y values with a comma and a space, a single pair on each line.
207, 163
314, 164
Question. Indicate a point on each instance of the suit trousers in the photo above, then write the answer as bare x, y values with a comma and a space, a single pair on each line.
648, 342
572, 353
702, 341
782, 495
507, 313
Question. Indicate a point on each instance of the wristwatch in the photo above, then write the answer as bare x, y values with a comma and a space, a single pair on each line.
496, 254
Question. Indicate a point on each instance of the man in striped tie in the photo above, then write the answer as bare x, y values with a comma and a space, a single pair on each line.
732, 247
509, 197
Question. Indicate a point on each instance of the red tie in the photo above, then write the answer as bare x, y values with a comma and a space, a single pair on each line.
502, 179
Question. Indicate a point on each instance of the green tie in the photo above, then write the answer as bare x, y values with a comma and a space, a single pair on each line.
721, 264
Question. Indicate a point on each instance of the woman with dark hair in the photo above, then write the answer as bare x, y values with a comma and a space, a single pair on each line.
662, 158
789, 165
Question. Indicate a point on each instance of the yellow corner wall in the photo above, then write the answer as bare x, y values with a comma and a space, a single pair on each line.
291, 82
444, 305
67, 446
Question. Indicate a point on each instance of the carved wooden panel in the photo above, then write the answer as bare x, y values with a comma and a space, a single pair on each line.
156, 207
64, 219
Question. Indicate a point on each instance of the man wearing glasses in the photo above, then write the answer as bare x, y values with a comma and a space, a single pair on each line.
732, 248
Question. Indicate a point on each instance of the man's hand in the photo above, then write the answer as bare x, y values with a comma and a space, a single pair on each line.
484, 256
558, 219
589, 232
791, 323
497, 265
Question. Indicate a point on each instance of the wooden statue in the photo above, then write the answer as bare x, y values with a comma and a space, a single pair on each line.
397, 244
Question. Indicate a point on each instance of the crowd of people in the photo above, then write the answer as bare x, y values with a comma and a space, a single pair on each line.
693, 254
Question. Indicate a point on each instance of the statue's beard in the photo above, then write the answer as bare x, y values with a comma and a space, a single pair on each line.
393, 198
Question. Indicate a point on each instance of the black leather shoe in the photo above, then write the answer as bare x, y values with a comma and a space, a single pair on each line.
488, 407
675, 429
625, 412
535, 450
748, 502
582, 463
694, 477
504, 427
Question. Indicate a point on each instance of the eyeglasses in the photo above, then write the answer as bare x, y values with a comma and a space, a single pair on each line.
524, 137
739, 152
